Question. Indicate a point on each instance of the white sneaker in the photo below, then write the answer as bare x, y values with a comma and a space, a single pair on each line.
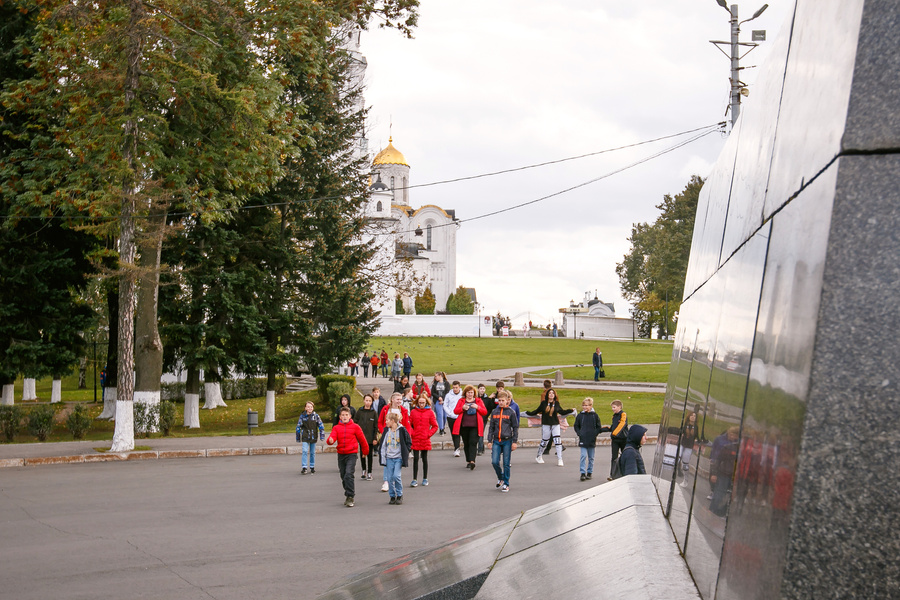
384, 487
539, 460
456, 453
560, 463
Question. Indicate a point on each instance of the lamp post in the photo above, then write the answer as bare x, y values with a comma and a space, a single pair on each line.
737, 87
633, 312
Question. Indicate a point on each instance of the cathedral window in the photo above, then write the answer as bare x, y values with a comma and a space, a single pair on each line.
378, 206
393, 192
428, 242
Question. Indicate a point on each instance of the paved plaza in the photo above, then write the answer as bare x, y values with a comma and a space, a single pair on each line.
242, 526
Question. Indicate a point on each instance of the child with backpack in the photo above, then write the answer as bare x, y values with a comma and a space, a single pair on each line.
310, 430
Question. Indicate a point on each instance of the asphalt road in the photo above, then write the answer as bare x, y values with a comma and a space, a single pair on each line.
243, 527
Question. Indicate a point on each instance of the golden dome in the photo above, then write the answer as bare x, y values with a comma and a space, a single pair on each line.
390, 156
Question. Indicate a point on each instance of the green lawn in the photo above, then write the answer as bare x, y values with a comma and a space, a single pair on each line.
429, 354
463, 355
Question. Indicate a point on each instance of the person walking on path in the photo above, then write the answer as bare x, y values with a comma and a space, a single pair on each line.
598, 364
419, 386
310, 429
631, 462
367, 419
366, 362
396, 367
469, 424
345, 402
618, 433
422, 426
375, 361
407, 364
587, 428
349, 439
395, 406
490, 405
385, 363
550, 411
393, 454
439, 388
450, 400
502, 438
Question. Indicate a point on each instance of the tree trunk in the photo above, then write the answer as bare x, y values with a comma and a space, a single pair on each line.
148, 355
213, 390
123, 437
112, 358
28, 389
56, 390
270, 395
192, 399
8, 397
82, 373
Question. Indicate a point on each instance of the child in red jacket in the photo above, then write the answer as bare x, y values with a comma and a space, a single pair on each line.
422, 426
350, 438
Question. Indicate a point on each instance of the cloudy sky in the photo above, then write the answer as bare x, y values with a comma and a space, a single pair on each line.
491, 85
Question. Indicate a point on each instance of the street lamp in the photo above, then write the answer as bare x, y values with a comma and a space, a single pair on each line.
633, 312
737, 87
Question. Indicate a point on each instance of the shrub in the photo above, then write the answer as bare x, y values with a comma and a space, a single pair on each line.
146, 417
322, 383
40, 421
10, 421
79, 421
167, 416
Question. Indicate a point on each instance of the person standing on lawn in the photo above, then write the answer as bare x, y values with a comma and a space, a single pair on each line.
597, 360
349, 439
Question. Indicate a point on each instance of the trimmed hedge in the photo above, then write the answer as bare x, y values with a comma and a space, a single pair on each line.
232, 389
322, 383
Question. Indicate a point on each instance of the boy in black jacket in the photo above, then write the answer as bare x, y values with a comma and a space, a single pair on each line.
618, 433
587, 428
504, 432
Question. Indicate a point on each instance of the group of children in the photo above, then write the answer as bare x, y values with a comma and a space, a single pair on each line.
405, 424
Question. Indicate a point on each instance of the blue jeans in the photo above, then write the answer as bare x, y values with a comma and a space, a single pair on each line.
308, 454
504, 447
596, 373
587, 460
440, 417
392, 476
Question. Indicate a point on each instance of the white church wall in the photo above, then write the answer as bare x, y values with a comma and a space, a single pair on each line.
598, 327
432, 325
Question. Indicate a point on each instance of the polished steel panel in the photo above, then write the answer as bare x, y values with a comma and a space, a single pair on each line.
772, 430
816, 95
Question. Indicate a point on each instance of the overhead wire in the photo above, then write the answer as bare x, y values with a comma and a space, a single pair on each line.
706, 130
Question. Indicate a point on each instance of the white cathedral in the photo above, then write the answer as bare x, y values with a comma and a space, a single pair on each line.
415, 245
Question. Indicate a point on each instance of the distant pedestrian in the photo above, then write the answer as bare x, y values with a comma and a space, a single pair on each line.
587, 428
469, 424
393, 454
349, 439
366, 363
385, 363
422, 426
550, 411
450, 400
367, 419
631, 462
597, 360
351, 364
310, 430
439, 387
407, 364
618, 433
396, 367
502, 438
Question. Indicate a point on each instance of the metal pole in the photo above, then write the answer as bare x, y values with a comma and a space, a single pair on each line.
735, 66
95, 370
